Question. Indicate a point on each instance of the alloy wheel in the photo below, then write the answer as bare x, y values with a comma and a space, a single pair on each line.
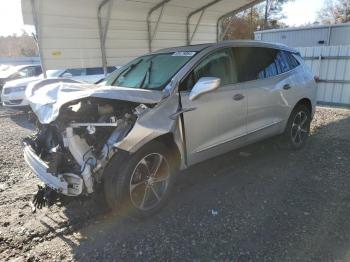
300, 129
149, 181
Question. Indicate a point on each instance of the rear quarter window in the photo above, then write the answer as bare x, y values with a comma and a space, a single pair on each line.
293, 62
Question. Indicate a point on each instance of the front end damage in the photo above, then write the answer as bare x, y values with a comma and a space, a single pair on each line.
75, 139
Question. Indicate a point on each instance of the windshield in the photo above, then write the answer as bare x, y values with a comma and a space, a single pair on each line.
54, 73
150, 71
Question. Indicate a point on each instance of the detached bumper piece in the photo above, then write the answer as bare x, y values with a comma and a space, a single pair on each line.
68, 184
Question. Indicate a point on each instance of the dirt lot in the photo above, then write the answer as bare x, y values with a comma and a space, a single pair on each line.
255, 204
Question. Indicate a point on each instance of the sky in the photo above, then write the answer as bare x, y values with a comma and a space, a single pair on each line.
297, 13
10, 17
300, 12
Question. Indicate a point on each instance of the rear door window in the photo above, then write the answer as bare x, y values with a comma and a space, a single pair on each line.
260, 63
254, 63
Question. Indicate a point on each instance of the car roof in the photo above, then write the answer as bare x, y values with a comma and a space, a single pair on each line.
229, 43
19, 67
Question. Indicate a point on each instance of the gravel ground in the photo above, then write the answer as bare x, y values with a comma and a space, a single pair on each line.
255, 204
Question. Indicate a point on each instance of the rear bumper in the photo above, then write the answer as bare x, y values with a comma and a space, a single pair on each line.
67, 184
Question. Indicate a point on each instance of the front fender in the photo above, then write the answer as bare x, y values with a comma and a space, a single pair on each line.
154, 123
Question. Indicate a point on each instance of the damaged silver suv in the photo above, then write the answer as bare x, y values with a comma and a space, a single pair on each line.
162, 113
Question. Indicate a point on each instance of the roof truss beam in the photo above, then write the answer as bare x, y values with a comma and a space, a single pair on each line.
202, 9
220, 34
151, 35
102, 30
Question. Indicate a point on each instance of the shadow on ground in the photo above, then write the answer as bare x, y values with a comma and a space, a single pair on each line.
271, 205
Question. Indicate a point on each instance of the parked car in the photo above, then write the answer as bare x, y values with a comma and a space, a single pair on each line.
13, 93
4, 67
164, 112
17, 72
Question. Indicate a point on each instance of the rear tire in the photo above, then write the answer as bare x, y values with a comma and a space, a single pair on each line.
298, 128
140, 185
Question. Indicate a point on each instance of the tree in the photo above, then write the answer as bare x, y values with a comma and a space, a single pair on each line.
273, 13
14, 45
335, 12
244, 24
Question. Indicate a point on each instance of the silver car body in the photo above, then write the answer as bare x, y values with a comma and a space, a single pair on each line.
212, 124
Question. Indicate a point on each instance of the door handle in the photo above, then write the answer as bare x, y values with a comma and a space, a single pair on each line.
238, 97
287, 87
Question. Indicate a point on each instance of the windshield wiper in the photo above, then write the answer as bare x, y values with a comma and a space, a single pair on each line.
148, 73
128, 70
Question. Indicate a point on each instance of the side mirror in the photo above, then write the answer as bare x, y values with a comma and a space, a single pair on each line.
204, 85
67, 75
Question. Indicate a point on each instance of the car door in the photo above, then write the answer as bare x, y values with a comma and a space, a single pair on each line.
215, 122
264, 86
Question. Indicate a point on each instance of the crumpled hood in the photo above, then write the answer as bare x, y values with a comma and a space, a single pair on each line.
47, 100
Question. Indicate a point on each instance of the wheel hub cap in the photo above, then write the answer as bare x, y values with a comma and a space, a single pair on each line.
299, 128
149, 181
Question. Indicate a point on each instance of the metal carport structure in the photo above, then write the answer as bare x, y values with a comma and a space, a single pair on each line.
89, 33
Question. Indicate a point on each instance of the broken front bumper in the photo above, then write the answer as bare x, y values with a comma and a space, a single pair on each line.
67, 184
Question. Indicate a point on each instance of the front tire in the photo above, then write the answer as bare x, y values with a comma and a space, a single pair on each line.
298, 128
141, 185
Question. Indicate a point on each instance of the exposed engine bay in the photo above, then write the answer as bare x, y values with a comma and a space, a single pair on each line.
78, 144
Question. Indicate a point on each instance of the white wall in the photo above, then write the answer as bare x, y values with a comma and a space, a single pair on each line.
334, 68
306, 37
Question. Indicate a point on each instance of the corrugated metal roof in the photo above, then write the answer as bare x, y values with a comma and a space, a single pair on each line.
69, 31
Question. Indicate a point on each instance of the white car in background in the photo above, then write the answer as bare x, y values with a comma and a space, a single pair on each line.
9, 73
13, 92
5, 67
